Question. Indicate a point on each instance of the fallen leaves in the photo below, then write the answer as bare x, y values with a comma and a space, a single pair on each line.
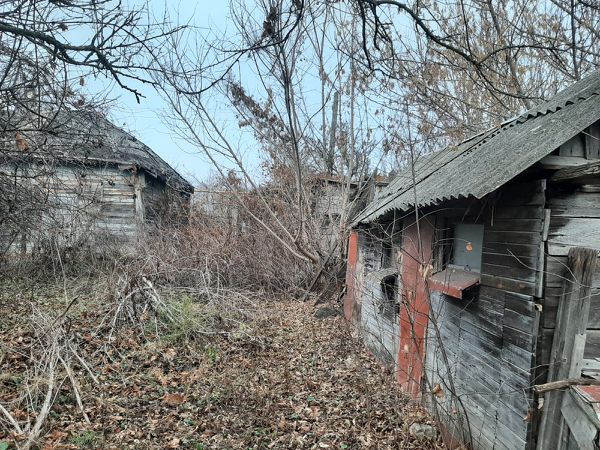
174, 443
174, 399
310, 385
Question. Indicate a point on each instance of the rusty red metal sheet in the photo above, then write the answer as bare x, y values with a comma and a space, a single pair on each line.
590, 394
351, 274
414, 314
453, 281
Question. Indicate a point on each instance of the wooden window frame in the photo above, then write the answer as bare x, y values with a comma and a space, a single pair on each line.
451, 279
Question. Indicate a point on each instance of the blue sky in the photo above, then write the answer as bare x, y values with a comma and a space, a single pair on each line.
212, 18
143, 120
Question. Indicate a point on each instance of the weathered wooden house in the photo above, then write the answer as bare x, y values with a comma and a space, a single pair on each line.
466, 275
335, 201
79, 177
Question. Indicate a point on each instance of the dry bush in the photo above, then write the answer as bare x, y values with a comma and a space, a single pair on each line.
231, 252
88, 254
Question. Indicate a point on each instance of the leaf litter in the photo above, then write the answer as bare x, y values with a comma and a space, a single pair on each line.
299, 383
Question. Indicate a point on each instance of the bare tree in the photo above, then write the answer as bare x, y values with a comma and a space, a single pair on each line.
48, 51
466, 66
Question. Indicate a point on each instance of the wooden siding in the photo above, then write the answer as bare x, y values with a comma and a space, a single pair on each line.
489, 340
154, 194
574, 221
380, 331
82, 202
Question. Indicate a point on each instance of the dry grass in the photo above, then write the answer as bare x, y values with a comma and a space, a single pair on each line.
283, 380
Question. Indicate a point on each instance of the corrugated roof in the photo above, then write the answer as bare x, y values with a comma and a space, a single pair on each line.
88, 137
485, 162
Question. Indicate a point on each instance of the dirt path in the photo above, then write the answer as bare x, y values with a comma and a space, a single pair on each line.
301, 383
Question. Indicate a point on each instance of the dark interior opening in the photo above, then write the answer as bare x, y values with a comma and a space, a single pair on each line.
389, 287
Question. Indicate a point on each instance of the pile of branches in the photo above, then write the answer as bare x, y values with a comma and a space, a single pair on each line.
52, 355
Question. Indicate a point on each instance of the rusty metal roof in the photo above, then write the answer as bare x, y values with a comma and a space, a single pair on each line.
485, 162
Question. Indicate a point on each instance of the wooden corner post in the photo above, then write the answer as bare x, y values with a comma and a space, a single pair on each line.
568, 343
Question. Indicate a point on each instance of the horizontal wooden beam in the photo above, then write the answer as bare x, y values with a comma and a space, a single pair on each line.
555, 162
585, 174
555, 385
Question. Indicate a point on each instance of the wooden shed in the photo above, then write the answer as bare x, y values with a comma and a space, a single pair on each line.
468, 276
77, 178
334, 200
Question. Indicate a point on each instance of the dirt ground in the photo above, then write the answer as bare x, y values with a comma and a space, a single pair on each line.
298, 382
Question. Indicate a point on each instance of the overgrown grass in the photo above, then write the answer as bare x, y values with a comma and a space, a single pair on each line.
187, 319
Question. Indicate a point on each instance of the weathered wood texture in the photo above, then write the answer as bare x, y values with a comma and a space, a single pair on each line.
83, 203
575, 221
490, 340
592, 141
568, 343
582, 421
380, 329
161, 205
588, 173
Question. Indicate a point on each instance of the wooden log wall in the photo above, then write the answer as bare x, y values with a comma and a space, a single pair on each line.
490, 339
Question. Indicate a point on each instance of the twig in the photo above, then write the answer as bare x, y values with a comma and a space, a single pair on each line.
85, 365
45, 409
75, 389
61, 316
561, 384
11, 419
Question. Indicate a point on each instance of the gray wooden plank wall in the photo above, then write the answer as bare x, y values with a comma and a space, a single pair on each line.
575, 221
491, 338
82, 201
380, 331
154, 197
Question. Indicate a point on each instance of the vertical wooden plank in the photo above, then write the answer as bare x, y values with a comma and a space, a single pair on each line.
539, 276
351, 274
592, 142
139, 183
573, 147
568, 343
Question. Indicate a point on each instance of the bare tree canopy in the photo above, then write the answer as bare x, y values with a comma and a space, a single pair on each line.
462, 66
50, 50
53, 44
